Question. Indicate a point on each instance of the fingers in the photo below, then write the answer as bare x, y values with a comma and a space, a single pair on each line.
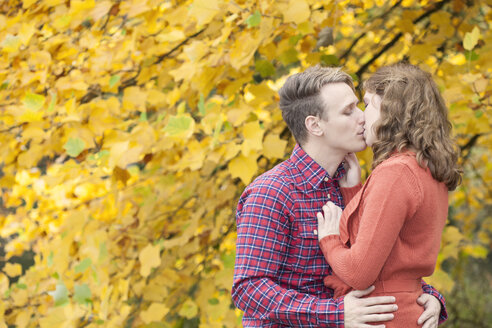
378, 317
422, 300
351, 159
379, 300
431, 323
361, 293
327, 211
381, 309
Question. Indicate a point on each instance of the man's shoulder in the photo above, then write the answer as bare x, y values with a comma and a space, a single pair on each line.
279, 177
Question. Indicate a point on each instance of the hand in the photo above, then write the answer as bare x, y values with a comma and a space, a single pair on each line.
352, 166
432, 309
329, 222
360, 311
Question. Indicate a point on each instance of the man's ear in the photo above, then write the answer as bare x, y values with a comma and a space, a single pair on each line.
312, 125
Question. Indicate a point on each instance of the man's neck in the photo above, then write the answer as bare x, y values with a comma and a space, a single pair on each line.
327, 158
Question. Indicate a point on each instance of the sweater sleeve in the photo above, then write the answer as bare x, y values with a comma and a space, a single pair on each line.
349, 193
390, 198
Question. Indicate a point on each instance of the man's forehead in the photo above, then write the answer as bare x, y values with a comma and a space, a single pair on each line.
340, 94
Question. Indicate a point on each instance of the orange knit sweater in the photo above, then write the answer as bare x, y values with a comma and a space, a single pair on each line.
390, 233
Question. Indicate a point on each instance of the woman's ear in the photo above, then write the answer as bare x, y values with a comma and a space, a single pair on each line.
313, 126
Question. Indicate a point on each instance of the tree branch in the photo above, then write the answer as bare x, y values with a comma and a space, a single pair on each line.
395, 39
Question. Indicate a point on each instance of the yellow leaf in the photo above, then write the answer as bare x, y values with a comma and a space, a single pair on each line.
27, 3
243, 50
13, 269
26, 32
204, 10
441, 281
156, 98
274, 147
172, 36
471, 39
297, 11
4, 284
149, 258
56, 318
23, 318
457, 59
253, 136
11, 43
134, 98
155, 312
243, 167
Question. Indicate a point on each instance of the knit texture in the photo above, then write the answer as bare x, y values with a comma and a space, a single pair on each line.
389, 232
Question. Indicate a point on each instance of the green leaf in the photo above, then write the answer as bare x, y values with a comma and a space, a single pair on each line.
294, 39
265, 68
201, 105
288, 57
82, 294
254, 19
471, 55
83, 265
143, 116
60, 295
189, 309
4, 85
33, 101
50, 260
74, 146
228, 260
113, 80
53, 102
471, 39
178, 124
21, 286
329, 60
103, 251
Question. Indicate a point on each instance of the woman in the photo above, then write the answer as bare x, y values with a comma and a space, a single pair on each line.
390, 231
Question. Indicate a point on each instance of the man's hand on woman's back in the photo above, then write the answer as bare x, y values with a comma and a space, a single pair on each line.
359, 311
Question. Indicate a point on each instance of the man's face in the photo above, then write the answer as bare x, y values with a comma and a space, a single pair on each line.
343, 124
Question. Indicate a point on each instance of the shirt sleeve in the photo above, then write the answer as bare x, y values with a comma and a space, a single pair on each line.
263, 231
387, 203
428, 289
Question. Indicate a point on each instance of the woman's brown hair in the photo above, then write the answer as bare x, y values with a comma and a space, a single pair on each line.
414, 116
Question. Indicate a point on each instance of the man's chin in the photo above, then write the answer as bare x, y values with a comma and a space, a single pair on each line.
361, 148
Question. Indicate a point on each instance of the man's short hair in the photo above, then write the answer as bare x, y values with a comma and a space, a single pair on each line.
300, 97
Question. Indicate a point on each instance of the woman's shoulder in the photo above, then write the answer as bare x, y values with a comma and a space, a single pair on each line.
399, 162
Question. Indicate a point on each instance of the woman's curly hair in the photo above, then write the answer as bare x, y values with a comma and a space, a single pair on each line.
414, 116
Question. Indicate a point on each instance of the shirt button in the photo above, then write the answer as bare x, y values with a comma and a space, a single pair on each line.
315, 232
326, 179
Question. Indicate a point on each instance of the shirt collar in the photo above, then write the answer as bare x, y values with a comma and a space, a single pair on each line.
312, 173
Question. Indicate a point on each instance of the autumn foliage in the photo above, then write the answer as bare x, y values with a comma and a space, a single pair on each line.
130, 128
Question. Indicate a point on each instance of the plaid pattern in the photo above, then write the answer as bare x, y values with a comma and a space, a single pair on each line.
428, 289
279, 270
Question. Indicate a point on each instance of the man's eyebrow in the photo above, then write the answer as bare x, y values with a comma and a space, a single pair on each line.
355, 102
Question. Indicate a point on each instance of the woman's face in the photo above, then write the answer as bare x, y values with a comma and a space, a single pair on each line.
372, 113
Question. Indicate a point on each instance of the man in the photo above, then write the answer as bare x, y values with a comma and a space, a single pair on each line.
279, 271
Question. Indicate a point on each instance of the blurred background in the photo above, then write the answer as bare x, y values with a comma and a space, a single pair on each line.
130, 128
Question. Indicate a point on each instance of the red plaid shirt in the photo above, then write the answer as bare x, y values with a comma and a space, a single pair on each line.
279, 271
